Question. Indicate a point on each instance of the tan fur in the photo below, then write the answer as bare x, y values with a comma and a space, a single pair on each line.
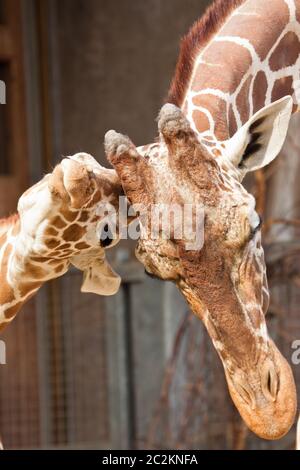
35, 246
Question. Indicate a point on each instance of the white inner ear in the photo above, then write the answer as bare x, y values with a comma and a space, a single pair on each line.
260, 140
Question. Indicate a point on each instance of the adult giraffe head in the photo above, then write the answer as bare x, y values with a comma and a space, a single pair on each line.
233, 88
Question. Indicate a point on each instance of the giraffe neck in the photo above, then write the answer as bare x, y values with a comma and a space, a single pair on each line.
252, 60
15, 288
22, 272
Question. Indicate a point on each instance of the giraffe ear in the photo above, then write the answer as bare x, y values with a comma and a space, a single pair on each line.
260, 140
99, 278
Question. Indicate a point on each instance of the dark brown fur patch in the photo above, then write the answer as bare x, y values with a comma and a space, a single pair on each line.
58, 222
233, 127
53, 262
70, 216
282, 87
82, 246
51, 231
242, 101
65, 246
59, 268
26, 288
12, 311
260, 88
39, 259
74, 233
52, 243
286, 53
84, 216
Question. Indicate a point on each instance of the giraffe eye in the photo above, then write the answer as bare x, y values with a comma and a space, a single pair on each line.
106, 236
256, 228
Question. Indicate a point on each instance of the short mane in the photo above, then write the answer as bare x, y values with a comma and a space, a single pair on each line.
197, 38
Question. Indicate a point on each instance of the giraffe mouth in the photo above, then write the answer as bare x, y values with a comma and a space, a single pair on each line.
265, 396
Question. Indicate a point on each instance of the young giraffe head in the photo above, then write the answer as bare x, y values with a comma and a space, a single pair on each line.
65, 215
224, 281
62, 221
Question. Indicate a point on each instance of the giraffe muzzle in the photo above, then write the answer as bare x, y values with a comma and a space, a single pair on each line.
265, 396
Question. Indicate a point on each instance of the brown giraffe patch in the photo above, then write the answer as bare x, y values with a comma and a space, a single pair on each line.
267, 27
12, 311
58, 222
217, 108
286, 53
65, 246
282, 87
97, 195
70, 216
39, 259
201, 121
52, 243
84, 216
73, 233
242, 100
233, 127
65, 255
82, 246
59, 268
227, 56
25, 288
260, 88
53, 262
3, 326
51, 231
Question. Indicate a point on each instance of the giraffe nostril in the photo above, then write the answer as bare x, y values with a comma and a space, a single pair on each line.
246, 394
270, 382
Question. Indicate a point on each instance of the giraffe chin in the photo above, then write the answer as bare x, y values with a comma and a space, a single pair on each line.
266, 396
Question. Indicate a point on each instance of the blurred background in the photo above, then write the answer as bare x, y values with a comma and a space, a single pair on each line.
136, 370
